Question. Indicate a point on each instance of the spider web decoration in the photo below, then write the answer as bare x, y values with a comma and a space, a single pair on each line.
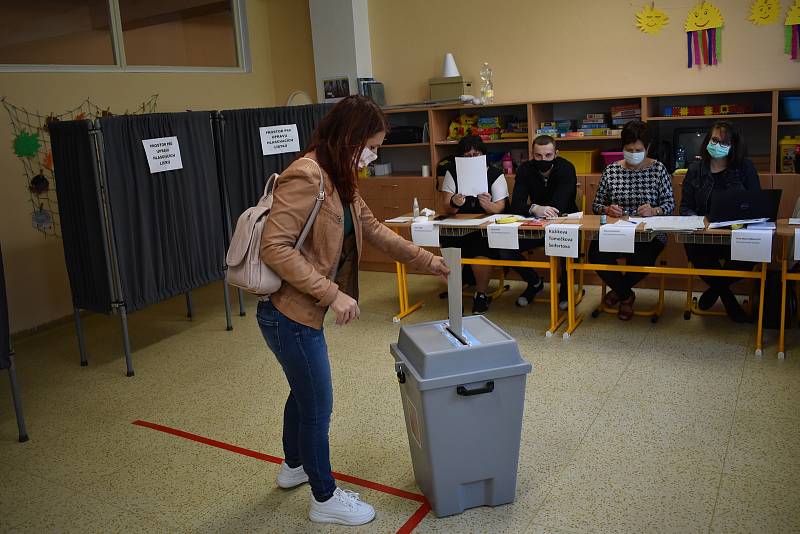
26, 124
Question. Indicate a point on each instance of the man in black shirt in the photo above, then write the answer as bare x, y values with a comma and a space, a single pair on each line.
545, 187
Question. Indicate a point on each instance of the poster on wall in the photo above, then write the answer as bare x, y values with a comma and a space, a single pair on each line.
704, 34
651, 20
336, 88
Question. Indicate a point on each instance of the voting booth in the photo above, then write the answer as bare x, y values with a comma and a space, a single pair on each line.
462, 383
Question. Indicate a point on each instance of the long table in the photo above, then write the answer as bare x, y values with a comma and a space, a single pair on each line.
589, 231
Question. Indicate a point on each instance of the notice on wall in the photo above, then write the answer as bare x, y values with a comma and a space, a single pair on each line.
751, 245
279, 139
561, 240
163, 154
617, 238
425, 234
504, 236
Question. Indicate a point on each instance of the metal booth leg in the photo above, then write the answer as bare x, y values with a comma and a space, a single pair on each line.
189, 306
12, 375
227, 297
81, 339
126, 341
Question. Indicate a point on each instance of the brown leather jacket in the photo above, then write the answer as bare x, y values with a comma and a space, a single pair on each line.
308, 288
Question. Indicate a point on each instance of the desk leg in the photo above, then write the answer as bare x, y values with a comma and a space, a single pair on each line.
759, 327
555, 319
782, 328
573, 321
402, 292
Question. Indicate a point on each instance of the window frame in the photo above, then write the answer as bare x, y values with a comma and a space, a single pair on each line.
241, 37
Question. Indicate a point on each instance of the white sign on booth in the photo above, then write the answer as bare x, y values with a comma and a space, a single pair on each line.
163, 154
751, 245
279, 139
561, 240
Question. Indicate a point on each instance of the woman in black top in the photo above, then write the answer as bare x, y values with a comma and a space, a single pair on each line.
493, 201
723, 167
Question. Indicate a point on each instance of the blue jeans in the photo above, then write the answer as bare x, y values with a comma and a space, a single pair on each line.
303, 354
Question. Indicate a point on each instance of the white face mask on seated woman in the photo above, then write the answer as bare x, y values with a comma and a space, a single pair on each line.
633, 158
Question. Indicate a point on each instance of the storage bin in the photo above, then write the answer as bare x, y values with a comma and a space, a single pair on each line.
610, 157
584, 160
790, 108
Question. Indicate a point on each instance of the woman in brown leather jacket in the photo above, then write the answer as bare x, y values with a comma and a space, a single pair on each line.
323, 274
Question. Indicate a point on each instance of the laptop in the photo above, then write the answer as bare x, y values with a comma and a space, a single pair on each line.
739, 205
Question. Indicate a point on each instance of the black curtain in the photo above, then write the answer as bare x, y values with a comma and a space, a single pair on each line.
245, 168
74, 164
168, 226
5, 337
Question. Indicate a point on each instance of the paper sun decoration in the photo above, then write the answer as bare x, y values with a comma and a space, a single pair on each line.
703, 34
651, 20
763, 12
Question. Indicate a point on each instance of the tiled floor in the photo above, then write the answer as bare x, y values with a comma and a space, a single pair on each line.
672, 427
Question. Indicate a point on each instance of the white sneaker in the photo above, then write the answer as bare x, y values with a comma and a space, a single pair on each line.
289, 478
344, 508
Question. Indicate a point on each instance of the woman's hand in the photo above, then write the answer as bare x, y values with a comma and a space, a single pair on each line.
615, 211
346, 308
646, 210
485, 200
458, 199
439, 268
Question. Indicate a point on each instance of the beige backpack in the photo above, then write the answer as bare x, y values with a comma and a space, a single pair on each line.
245, 268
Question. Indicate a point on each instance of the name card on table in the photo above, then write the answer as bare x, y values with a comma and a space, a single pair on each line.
797, 243
561, 240
617, 238
751, 245
503, 235
279, 139
425, 234
163, 154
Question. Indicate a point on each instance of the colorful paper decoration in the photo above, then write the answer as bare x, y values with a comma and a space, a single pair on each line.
764, 12
704, 34
26, 145
651, 20
792, 42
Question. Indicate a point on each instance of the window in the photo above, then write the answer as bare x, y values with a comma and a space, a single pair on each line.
134, 35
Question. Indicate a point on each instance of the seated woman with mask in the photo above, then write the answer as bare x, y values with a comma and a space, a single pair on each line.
492, 201
723, 167
638, 186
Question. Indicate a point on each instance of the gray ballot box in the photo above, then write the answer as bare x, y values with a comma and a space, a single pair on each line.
463, 393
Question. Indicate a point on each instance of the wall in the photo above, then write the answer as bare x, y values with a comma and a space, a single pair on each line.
538, 51
38, 288
291, 49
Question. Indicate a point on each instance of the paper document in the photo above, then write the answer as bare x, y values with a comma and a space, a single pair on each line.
623, 222
503, 235
670, 222
793, 220
399, 220
561, 240
576, 215
617, 237
425, 234
472, 177
797, 243
762, 226
725, 224
465, 222
452, 257
751, 245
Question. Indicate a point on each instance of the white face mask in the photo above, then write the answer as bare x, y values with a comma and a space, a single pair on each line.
634, 158
367, 157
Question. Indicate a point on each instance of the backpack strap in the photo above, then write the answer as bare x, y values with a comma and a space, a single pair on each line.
317, 205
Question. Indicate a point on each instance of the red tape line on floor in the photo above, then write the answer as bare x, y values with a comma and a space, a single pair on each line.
409, 525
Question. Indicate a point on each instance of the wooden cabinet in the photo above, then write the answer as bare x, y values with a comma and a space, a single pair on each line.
790, 184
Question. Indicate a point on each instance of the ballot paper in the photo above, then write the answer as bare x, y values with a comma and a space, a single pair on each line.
466, 222
504, 236
678, 223
751, 245
725, 224
617, 237
762, 226
793, 220
561, 240
797, 243
576, 215
425, 234
472, 180
400, 220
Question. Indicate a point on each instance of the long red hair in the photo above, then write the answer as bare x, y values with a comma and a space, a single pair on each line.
342, 135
